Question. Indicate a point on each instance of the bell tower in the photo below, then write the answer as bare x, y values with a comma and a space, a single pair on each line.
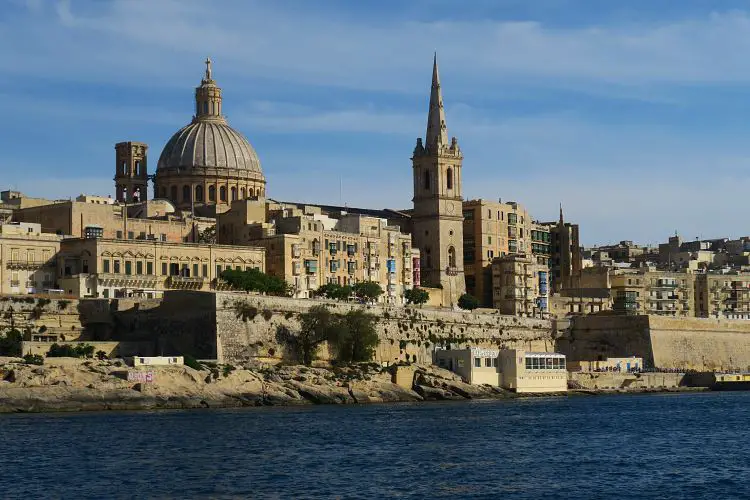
437, 219
131, 172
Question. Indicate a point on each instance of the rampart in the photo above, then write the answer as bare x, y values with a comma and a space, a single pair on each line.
702, 344
246, 326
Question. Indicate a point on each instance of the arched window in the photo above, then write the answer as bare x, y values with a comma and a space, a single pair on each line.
185, 193
223, 193
212, 193
242, 193
451, 257
205, 107
137, 167
199, 193
427, 180
234, 193
449, 178
173, 194
124, 168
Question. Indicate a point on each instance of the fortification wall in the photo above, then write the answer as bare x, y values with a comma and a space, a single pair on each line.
33, 315
411, 332
701, 344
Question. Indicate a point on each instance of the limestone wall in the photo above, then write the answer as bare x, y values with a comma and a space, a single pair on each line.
403, 331
611, 380
702, 344
41, 316
112, 349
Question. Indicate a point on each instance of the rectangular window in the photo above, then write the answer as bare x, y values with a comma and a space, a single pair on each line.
163, 268
489, 240
128, 267
139, 267
149, 268
205, 270
218, 270
105, 265
494, 362
131, 235
105, 293
195, 269
118, 235
117, 266
478, 362
163, 237
488, 362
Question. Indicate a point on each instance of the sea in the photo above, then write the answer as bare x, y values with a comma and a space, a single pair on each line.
691, 446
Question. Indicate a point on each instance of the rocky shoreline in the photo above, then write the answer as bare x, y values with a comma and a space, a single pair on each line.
68, 384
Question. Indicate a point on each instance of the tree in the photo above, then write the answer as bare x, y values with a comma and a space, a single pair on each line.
416, 296
358, 338
254, 280
468, 302
334, 291
10, 343
367, 290
317, 325
208, 235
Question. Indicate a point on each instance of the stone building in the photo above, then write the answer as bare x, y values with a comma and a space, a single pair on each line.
112, 221
565, 260
725, 296
437, 221
649, 291
207, 164
100, 267
491, 230
131, 172
27, 258
520, 286
310, 249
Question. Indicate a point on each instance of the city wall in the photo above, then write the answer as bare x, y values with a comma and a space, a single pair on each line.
702, 344
247, 326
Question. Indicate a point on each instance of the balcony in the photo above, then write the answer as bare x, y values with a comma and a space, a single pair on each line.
184, 282
29, 264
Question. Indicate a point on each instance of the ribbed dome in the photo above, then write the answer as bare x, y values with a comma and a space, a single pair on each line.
209, 143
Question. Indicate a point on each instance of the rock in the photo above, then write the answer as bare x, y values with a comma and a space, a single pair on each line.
434, 394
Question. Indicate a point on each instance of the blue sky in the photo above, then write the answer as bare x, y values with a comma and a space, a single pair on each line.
633, 115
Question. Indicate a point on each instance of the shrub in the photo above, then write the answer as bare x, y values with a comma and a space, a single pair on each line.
43, 302
468, 302
10, 343
245, 311
192, 362
68, 351
267, 314
63, 304
101, 355
228, 369
33, 359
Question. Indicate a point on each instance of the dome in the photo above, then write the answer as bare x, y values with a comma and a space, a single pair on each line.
209, 143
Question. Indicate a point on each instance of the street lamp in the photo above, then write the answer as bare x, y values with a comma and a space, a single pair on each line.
451, 271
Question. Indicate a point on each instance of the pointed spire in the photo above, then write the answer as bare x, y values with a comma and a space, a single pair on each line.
562, 220
436, 130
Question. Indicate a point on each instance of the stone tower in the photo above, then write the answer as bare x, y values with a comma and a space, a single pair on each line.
438, 215
131, 172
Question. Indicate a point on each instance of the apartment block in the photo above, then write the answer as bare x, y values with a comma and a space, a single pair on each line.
520, 285
27, 258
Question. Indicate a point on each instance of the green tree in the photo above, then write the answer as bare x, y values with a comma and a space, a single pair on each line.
10, 343
468, 302
255, 280
416, 296
208, 235
358, 338
334, 291
317, 325
367, 290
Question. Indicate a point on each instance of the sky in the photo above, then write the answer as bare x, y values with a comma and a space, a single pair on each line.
632, 115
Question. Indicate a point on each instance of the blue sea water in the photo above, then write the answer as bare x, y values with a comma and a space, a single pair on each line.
637, 446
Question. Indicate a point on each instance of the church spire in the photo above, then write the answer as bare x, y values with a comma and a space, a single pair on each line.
437, 134
562, 221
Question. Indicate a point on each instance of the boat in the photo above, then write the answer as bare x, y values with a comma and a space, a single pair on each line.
731, 382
